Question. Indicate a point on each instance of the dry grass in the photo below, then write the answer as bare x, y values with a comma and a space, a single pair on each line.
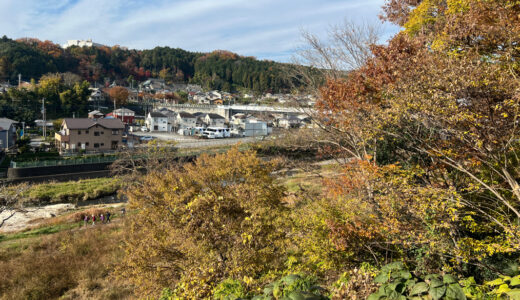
72, 264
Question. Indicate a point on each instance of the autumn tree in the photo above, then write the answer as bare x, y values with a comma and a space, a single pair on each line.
119, 95
200, 223
430, 123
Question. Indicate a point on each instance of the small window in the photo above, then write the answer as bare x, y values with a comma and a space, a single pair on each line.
102, 144
115, 132
96, 133
86, 131
86, 144
102, 132
96, 145
79, 132
79, 144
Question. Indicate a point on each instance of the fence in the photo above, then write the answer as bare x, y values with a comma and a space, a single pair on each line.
112, 158
64, 162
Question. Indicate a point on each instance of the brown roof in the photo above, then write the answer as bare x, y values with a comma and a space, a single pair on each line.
79, 123
85, 123
111, 123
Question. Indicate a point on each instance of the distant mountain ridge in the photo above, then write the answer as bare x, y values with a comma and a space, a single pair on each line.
219, 69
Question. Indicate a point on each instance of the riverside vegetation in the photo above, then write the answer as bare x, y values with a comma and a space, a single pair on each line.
422, 203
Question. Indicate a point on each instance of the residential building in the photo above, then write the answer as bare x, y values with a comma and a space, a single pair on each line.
153, 84
257, 128
156, 121
96, 95
124, 114
184, 120
95, 114
89, 135
289, 122
7, 133
214, 120
239, 120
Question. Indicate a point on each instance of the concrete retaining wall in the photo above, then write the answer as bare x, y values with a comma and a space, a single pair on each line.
16, 173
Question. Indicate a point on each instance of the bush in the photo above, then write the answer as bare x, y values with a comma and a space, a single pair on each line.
229, 289
293, 287
399, 283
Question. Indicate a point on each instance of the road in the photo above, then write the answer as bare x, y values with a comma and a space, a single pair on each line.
194, 142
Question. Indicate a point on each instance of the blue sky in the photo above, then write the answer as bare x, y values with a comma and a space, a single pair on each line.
267, 29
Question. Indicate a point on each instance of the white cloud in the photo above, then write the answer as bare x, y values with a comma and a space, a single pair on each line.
262, 28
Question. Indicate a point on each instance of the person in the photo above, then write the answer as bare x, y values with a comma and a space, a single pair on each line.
123, 211
108, 216
93, 220
102, 218
85, 220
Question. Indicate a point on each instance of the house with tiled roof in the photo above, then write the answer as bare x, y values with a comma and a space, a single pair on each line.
88, 134
7, 133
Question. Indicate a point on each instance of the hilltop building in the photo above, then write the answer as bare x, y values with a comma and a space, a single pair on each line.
81, 43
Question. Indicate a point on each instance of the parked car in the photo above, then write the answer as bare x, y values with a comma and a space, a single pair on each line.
147, 138
144, 128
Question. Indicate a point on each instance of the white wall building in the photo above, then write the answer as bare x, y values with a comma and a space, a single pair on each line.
156, 121
257, 128
81, 43
185, 120
214, 120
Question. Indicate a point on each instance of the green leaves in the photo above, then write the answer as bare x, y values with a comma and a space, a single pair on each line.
505, 285
292, 287
398, 283
419, 288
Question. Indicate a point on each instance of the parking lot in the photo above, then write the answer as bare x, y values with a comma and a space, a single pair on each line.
193, 142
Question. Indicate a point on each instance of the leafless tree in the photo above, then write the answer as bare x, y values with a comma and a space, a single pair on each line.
346, 47
144, 158
12, 200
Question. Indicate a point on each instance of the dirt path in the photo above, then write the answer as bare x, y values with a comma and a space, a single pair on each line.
22, 220
35, 215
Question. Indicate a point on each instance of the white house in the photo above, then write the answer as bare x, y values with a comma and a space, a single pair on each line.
184, 120
239, 120
289, 122
214, 120
156, 121
96, 95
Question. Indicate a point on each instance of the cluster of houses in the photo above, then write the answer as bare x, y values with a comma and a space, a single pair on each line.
158, 90
240, 124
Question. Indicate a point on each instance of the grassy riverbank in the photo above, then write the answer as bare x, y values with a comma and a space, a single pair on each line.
73, 191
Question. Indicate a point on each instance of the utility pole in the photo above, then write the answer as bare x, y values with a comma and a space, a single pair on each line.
44, 119
19, 80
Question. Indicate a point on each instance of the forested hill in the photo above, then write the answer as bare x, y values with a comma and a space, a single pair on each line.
217, 70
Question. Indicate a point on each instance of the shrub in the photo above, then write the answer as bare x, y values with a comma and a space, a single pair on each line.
399, 283
229, 289
293, 287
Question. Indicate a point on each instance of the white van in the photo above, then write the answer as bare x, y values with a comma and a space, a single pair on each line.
216, 132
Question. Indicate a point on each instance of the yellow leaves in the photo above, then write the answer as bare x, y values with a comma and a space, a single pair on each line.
192, 219
422, 15
458, 6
